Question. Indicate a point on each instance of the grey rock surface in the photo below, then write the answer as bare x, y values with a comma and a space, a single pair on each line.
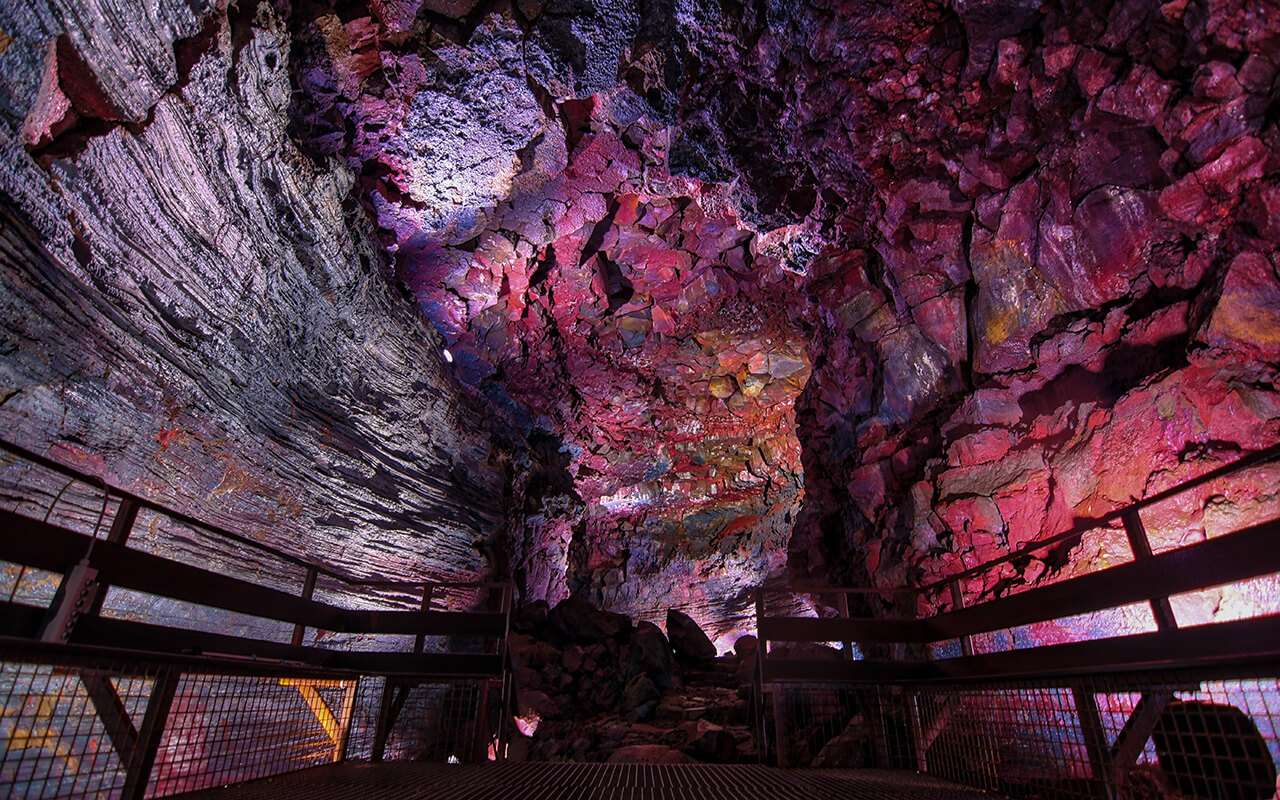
193, 311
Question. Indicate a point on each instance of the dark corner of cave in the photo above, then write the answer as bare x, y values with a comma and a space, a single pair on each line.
885, 386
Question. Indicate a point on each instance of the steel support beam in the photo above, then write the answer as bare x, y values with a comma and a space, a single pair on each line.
1141, 546
111, 711
138, 771
1095, 742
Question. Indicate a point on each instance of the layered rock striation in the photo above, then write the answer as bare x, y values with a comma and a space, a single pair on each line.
192, 307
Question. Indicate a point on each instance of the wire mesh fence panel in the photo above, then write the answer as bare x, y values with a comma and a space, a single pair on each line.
92, 727
829, 725
86, 721
225, 729
54, 729
1187, 736
438, 722
1022, 739
1157, 736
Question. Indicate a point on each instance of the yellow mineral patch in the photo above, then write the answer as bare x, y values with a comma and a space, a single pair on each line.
1241, 316
721, 386
1000, 326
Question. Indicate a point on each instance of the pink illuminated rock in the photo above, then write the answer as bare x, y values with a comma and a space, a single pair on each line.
52, 113
1014, 303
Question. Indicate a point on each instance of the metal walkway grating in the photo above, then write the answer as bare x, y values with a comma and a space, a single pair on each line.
541, 781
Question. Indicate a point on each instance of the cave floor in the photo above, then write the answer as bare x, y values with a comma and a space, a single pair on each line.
573, 781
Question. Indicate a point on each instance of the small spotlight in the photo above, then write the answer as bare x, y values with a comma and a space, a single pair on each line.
448, 356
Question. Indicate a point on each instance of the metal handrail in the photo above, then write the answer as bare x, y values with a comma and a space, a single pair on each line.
72, 635
186, 519
1082, 526
1085, 524
1158, 576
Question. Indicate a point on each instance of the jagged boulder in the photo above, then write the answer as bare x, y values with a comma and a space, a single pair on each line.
526, 651
687, 638
650, 654
529, 617
576, 620
639, 697
712, 743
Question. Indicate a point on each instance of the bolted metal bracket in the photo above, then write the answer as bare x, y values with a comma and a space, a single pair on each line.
76, 595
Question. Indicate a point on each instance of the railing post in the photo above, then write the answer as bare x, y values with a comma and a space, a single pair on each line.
779, 744
957, 603
138, 770
479, 747
82, 591
1141, 546
1095, 741
875, 716
349, 692
504, 714
121, 527
394, 694
122, 524
842, 604
419, 641
762, 738
920, 745
308, 591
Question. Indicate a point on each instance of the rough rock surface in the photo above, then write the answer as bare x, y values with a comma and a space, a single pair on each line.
1029, 319
839, 291
193, 310
607, 307
619, 696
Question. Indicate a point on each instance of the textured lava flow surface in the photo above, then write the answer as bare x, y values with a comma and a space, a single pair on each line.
649, 302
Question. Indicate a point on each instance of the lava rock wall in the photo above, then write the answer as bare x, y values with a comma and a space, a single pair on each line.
1055, 282
1014, 239
641, 334
193, 311
836, 291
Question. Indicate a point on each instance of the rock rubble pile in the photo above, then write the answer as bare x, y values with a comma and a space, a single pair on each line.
591, 685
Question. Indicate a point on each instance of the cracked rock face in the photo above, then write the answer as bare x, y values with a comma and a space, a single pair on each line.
192, 311
650, 301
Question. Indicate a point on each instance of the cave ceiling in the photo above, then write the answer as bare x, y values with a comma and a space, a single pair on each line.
649, 301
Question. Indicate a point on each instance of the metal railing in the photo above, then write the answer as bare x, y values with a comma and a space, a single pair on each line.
1193, 733
142, 675
1190, 710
